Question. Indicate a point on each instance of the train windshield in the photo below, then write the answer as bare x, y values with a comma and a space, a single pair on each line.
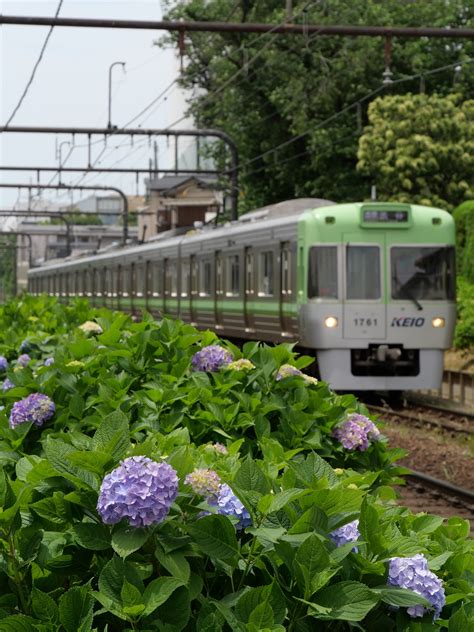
423, 273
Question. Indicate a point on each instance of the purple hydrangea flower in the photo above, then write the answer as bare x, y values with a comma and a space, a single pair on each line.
140, 490
3, 363
48, 361
228, 504
211, 358
36, 408
355, 432
413, 573
347, 533
204, 482
7, 385
220, 448
23, 360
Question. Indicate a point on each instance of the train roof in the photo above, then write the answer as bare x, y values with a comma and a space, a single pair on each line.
267, 217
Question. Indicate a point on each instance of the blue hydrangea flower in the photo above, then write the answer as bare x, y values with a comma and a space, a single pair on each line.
355, 433
228, 504
211, 358
204, 482
7, 385
139, 490
413, 573
36, 408
347, 533
3, 363
23, 360
48, 361
287, 370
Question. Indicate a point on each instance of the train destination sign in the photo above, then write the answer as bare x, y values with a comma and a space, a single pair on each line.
385, 216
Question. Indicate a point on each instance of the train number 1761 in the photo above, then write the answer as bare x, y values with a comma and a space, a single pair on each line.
365, 322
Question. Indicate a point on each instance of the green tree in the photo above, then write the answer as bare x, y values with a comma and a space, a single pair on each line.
299, 93
420, 148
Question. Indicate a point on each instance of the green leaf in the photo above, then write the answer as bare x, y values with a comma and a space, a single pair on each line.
76, 609
175, 563
112, 436
270, 595
89, 535
159, 591
18, 623
348, 601
127, 540
44, 607
215, 535
463, 619
312, 469
427, 524
57, 453
262, 616
53, 509
280, 500
250, 477
400, 596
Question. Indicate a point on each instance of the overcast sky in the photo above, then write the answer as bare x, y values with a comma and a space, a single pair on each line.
71, 89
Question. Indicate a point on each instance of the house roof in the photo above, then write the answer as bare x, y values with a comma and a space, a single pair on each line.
169, 185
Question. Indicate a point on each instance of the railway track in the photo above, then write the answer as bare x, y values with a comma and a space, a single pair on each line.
431, 495
429, 416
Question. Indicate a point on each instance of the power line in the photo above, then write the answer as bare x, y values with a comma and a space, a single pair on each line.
38, 61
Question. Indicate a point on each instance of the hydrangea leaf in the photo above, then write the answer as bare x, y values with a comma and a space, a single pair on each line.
159, 591
127, 540
215, 535
348, 601
95, 537
76, 609
112, 436
400, 596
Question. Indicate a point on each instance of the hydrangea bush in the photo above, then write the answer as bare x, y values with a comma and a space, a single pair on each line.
162, 496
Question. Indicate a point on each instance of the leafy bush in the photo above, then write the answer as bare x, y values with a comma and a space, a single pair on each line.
257, 550
464, 333
464, 219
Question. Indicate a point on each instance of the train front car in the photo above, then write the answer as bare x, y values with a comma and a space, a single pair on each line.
377, 294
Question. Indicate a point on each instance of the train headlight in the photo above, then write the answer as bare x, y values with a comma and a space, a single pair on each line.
330, 322
438, 322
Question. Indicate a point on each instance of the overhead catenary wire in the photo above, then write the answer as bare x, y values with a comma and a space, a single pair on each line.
35, 68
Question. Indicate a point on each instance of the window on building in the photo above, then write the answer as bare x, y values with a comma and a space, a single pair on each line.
363, 272
322, 272
266, 274
233, 276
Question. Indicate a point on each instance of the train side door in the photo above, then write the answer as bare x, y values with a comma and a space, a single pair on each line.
364, 301
287, 296
249, 289
219, 288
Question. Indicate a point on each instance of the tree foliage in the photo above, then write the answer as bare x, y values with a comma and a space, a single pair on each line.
420, 148
290, 102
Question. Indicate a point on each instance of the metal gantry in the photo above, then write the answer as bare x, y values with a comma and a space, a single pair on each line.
232, 172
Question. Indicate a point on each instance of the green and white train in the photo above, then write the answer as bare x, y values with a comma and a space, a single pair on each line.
368, 287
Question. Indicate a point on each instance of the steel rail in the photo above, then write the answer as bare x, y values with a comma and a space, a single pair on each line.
417, 418
68, 187
238, 27
445, 486
138, 131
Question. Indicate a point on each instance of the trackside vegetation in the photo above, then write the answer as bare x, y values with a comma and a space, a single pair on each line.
156, 478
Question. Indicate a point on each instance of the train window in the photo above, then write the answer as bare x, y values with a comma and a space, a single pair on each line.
265, 276
125, 286
233, 276
219, 274
184, 277
248, 273
363, 272
194, 276
88, 282
96, 289
157, 279
139, 284
423, 273
79, 283
322, 272
171, 278
205, 278
285, 271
